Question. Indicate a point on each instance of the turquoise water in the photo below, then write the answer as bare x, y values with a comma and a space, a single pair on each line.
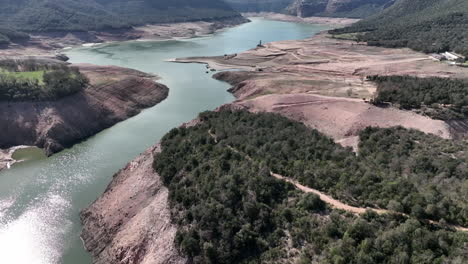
40, 199
28, 154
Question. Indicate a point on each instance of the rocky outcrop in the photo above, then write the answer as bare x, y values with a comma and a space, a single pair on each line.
131, 222
114, 95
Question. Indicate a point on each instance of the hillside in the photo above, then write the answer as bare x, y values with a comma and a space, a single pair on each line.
308, 8
423, 25
214, 198
338, 8
74, 15
49, 107
259, 5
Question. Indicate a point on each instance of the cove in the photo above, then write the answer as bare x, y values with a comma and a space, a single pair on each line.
40, 198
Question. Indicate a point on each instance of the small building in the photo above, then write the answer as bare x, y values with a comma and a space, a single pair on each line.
452, 56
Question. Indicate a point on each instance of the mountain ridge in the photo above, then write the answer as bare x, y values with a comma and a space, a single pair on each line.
338, 8
428, 26
73, 15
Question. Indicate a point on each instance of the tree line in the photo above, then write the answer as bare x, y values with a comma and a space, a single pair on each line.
439, 98
57, 81
422, 25
230, 210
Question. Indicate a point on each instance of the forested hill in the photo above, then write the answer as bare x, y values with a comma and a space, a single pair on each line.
338, 8
307, 8
229, 209
83, 15
424, 25
259, 5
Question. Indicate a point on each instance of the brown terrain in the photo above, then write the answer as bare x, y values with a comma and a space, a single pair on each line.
321, 81
114, 94
332, 21
131, 222
352, 209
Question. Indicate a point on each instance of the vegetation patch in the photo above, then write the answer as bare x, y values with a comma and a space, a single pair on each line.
8, 35
71, 15
33, 76
348, 36
439, 98
230, 210
423, 25
30, 80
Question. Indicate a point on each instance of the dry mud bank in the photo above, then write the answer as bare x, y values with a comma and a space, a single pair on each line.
318, 81
114, 95
321, 81
341, 118
334, 21
46, 43
131, 221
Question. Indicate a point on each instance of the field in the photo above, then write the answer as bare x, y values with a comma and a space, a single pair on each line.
28, 75
29, 80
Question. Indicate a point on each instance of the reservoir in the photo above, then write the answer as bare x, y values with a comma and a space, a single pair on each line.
40, 198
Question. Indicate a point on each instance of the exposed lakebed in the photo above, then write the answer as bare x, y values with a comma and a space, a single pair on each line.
40, 198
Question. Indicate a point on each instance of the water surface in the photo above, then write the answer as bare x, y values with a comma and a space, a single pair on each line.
40, 199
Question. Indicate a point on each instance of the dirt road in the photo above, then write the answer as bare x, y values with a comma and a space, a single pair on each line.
356, 210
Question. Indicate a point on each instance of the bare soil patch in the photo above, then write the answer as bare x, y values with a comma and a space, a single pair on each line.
289, 77
336, 21
341, 118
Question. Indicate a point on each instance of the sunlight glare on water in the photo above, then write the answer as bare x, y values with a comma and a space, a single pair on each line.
40, 199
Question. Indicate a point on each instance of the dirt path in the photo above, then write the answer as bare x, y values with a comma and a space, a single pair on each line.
330, 200
295, 56
356, 210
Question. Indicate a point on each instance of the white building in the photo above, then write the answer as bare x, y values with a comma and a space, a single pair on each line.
451, 56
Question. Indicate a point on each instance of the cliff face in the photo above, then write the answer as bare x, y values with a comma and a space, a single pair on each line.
338, 8
114, 95
131, 221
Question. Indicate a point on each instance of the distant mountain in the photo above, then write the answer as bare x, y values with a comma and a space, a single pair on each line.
424, 25
338, 8
307, 8
259, 5
8, 35
84, 15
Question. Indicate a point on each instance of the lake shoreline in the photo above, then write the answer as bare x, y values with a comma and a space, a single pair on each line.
48, 46
332, 21
114, 94
54, 43
315, 81
6, 156
122, 210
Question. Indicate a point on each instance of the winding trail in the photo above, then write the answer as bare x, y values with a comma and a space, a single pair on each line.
356, 210
330, 200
